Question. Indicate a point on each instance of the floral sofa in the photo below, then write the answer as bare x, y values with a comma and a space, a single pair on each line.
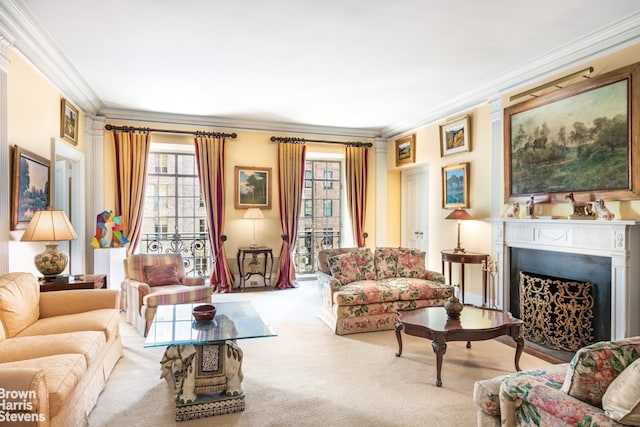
361, 290
57, 350
599, 387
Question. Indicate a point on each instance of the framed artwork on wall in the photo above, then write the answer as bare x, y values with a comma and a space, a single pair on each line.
577, 139
68, 122
30, 190
455, 186
406, 150
252, 187
455, 137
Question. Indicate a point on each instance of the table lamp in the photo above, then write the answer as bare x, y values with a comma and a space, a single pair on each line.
50, 226
459, 214
253, 214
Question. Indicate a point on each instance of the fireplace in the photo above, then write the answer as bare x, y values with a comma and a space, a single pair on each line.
606, 253
566, 266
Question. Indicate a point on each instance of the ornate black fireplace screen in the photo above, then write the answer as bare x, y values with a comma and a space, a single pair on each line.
557, 313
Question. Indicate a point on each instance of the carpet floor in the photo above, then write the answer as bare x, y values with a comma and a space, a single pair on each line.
307, 376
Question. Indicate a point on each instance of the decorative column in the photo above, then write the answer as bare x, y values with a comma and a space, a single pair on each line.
381, 147
501, 291
5, 192
94, 189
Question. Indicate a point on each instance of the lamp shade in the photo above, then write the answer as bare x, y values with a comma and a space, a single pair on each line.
49, 226
253, 213
459, 214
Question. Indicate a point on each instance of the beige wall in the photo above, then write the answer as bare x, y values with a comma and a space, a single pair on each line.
33, 118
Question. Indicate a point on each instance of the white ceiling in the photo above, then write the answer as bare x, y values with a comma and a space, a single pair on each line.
376, 66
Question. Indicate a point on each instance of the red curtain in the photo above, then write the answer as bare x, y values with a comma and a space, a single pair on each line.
210, 161
291, 158
356, 176
131, 155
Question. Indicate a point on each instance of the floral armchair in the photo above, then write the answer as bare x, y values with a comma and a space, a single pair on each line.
599, 387
157, 279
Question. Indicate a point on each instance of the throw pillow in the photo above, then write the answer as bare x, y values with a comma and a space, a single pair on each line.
162, 275
344, 268
411, 263
594, 367
621, 401
19, 302
386, 260
364, 260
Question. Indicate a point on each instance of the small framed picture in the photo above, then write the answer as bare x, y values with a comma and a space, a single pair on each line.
68, 122
406, 150
30, 192
252, 187
455, 137
455, 186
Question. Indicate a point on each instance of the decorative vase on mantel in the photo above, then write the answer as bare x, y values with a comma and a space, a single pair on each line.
453, 307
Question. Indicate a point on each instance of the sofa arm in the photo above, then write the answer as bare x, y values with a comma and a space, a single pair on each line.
135, 292
193, 281
435, 276
23, 392
526, 401
328, 281
59, 303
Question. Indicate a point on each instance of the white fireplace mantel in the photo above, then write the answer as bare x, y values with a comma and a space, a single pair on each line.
618, 240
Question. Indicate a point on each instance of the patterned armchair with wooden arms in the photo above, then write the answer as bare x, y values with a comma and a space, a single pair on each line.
157, 279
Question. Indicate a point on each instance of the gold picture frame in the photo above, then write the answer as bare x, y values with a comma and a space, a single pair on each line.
580, 139
252, 187
406, 150
68, 122
30, 187
455, 186
455, 137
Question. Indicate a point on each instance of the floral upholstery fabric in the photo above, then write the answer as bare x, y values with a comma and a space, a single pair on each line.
486, 393
386, 261
595, 366
343, 267
370, 302
411, 263
526, 401
364, 260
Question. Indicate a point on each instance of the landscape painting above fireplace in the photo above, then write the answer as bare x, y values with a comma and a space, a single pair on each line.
577, 139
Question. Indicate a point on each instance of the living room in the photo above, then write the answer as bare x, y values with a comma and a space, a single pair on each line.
33, 87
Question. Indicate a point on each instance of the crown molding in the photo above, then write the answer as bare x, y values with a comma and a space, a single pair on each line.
236, 124
35, 46
597, 44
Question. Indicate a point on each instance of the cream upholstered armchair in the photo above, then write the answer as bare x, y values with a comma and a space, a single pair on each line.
157, 279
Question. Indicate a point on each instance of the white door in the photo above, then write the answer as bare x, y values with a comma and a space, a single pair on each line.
414, 217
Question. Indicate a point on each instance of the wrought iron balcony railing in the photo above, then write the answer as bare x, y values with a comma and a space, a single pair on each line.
309, 243
194, 248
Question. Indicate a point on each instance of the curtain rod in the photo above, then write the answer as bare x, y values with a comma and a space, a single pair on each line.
187, 132
291, 140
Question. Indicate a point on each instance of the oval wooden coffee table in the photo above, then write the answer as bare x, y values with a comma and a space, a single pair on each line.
474, 324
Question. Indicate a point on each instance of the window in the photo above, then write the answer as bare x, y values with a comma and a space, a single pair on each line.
319, 225
174, 214
327, 206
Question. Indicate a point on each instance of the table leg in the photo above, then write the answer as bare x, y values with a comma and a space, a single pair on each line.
462, 282
519, 347
439, 348
399, 328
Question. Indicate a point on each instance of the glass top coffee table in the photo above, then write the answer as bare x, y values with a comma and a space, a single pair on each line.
174, 325
203, 362
474, 324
